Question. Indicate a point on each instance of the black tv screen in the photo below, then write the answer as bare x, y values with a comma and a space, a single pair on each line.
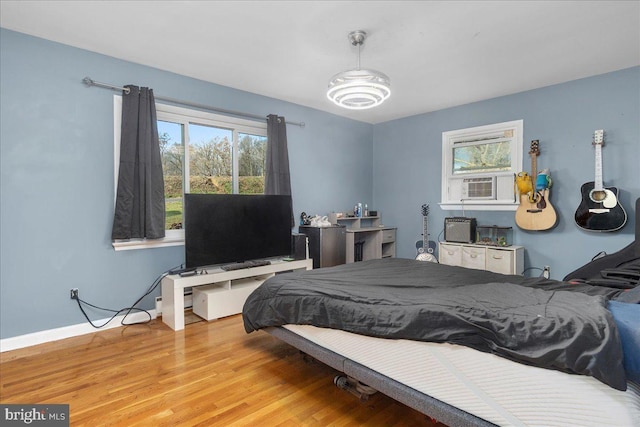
229, 228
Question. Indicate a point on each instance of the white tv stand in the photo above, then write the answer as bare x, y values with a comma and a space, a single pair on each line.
173, 285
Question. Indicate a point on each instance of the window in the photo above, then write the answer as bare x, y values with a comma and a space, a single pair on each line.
201, 153
479, 165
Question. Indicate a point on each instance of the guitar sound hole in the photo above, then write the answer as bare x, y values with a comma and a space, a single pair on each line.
598, 196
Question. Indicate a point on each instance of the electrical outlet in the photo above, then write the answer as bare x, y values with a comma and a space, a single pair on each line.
546, 273
74, 293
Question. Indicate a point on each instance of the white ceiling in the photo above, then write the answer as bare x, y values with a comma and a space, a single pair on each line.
438, 54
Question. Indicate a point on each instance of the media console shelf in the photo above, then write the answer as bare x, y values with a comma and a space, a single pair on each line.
225, 291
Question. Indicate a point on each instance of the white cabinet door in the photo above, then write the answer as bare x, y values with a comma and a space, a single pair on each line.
500, 261
450, 254
473, 257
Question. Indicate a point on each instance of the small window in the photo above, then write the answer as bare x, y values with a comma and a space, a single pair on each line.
479, 165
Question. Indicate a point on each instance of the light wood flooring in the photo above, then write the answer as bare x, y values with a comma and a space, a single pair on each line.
210, 374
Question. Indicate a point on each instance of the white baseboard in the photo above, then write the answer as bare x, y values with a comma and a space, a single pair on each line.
50, 335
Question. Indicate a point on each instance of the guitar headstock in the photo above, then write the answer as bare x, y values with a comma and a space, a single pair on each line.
598, 137
425, 210
535, 148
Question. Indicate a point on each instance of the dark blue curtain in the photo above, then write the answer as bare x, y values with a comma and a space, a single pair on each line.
140, 207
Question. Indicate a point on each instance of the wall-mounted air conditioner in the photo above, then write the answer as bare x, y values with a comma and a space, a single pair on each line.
479, 188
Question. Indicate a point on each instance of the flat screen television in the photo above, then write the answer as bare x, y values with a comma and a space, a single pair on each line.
230, 228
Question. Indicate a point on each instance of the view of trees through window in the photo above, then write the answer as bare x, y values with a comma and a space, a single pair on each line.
206, 156
482, 157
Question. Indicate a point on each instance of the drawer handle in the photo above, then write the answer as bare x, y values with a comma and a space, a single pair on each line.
473, 256
497, 257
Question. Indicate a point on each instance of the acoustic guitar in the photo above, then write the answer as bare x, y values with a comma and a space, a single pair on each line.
535, 212
599, 209
425, 246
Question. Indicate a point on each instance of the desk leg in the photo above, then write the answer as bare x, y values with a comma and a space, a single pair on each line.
172, 305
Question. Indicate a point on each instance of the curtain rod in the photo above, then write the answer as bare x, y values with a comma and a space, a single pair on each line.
90, 82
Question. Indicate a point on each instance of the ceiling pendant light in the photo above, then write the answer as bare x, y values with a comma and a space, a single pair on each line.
359, 89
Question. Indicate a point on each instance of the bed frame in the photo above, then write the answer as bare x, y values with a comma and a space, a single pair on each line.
428, 405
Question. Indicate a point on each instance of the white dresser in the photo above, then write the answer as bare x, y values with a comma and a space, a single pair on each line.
499, 259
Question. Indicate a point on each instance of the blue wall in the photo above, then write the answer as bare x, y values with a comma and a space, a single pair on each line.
408, 154
56, 164
57, 181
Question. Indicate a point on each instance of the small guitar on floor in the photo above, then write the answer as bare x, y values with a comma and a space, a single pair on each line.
599, 209
425, 246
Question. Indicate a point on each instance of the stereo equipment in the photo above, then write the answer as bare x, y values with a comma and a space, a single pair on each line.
460, 229
299, 248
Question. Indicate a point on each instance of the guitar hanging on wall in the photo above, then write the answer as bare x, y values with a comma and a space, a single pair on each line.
535, 211
425, 246
599, 209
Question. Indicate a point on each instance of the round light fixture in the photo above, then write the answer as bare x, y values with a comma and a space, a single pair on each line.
359, 89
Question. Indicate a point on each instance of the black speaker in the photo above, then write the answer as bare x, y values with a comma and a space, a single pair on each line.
460, 229
298, 246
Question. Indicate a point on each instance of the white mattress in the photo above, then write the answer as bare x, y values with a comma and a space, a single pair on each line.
493, 388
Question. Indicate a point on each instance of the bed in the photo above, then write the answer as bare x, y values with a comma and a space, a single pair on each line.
467, 347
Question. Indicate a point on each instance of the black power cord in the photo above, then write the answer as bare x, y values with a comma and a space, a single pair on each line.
128, 310
534, 268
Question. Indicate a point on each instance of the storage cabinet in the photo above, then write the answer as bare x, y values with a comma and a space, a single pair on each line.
224, 298
505, 260
366, 237
326, 244
216, 292
473, 257
389, 243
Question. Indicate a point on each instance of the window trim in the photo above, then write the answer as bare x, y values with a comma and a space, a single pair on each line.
448, 178
166, 112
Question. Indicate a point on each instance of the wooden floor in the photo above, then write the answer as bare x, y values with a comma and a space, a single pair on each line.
210, 374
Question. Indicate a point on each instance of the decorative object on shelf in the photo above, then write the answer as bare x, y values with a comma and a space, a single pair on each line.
359, 89
305, 219
494, 235
320, 221
359, 209
599, 208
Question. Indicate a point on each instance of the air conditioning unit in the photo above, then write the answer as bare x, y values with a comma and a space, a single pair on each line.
479, 188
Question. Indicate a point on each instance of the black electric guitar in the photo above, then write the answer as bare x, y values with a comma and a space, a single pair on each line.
425, 246
599, 209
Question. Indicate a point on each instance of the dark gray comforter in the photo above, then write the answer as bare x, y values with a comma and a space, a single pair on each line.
512, 316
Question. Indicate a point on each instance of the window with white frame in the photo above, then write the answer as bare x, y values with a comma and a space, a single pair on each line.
479, 166
201, 152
